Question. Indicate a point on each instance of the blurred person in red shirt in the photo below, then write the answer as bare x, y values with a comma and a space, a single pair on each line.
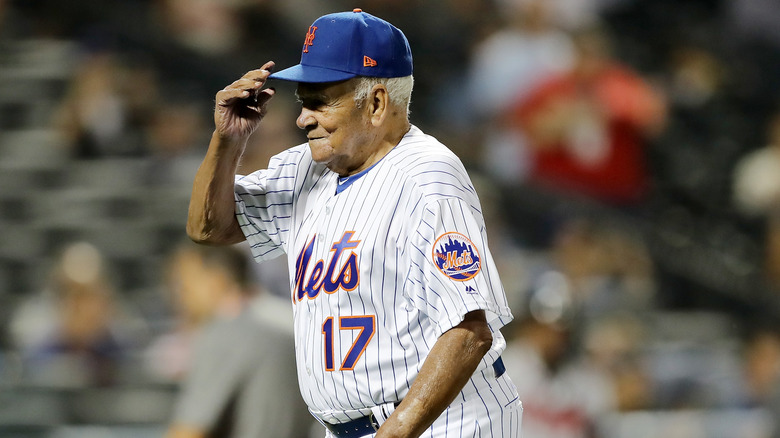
586, 129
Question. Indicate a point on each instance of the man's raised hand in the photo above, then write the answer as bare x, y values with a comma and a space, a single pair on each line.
241, 105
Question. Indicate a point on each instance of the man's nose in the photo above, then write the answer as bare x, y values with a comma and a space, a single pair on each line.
305, 118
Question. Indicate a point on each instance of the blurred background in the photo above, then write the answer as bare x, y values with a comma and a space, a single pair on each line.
627, 153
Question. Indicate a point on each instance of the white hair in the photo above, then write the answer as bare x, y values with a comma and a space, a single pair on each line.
399, 89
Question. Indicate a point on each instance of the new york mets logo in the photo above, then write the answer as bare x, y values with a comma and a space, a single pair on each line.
334, 278
456, 256
309, 41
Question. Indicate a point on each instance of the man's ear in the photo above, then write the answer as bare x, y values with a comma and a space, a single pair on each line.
378, 104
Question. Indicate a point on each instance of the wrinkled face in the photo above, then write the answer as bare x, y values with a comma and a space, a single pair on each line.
336, 128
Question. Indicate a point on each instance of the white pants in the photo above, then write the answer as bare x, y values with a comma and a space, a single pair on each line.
487, 407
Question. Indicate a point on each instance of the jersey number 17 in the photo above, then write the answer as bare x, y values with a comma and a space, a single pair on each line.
366, 325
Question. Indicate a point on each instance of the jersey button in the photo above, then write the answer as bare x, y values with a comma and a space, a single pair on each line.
327, 210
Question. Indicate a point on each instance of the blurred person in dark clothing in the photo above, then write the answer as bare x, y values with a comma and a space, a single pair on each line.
105, 107
703, 127
538, 357
77, 333
572, 370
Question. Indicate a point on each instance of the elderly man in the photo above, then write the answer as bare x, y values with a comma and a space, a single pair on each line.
396, 299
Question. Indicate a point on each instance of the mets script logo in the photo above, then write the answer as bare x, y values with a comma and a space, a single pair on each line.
456, 256
340, 272
309, 41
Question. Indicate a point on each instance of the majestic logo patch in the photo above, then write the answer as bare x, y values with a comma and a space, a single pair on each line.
456, 256
309, 41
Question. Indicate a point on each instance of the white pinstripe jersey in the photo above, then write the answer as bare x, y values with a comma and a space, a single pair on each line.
378, 271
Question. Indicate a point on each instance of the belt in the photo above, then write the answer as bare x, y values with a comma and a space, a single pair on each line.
367, 425
498, 367
354, 429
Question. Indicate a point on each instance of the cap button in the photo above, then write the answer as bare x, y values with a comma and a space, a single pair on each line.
357, 10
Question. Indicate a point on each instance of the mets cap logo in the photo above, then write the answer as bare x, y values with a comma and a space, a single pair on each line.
309, 41
456, 257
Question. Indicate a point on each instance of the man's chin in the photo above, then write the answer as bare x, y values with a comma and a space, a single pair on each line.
319, 152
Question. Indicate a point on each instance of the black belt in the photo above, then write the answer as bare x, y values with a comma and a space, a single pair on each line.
367, 425
498, 367
354, 429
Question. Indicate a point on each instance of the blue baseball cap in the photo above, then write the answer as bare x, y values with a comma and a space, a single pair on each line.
343, 45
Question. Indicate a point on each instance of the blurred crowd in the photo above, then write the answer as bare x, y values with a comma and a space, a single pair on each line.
627, 154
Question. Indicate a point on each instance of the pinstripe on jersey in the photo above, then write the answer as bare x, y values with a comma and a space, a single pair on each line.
369, 299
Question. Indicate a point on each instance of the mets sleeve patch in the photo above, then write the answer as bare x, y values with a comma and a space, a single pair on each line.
456, 257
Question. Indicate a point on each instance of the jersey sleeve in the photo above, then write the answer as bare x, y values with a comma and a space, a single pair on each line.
264, 206
453, 272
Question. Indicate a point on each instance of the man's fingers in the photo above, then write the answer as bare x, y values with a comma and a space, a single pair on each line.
262, 98
265, 95
268, 66
249, 86
246, 84
261, 74
241, 89
227, 96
